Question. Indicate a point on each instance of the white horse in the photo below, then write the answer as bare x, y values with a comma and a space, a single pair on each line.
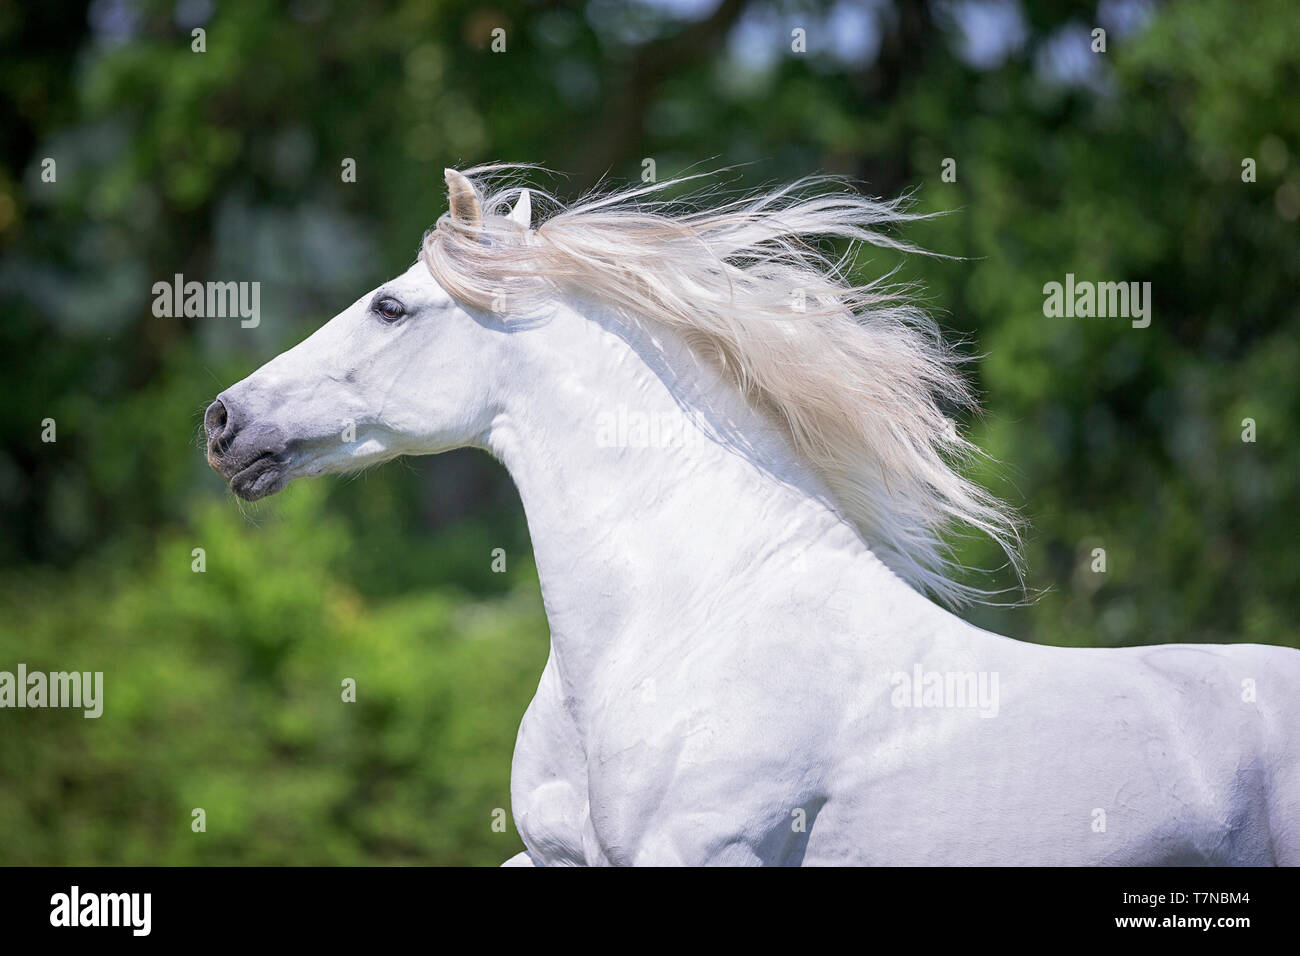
737, 478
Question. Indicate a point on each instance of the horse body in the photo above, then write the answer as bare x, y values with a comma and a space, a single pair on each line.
669, 782
738, 674
726, 653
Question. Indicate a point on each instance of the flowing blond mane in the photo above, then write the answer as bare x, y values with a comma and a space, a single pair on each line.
855, 372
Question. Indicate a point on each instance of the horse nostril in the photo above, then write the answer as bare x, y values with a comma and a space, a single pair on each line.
216, 422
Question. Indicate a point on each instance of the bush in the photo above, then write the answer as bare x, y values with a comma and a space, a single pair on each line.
223, 691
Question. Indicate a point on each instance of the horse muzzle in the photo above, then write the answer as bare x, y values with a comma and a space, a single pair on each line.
252, 456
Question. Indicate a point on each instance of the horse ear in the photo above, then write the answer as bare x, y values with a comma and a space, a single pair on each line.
462, 200
523, 211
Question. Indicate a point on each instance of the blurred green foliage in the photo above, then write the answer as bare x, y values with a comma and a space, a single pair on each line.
224, 691
223, 688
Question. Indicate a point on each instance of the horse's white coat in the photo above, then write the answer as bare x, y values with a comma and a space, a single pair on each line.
729, 661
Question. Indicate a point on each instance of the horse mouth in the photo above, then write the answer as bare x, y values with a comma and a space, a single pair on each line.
264, 475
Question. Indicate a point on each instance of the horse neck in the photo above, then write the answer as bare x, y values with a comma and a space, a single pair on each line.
635, 532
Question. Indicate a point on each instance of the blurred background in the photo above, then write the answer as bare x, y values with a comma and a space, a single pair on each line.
223, 687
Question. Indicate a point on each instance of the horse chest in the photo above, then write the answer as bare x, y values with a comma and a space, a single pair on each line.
548, 778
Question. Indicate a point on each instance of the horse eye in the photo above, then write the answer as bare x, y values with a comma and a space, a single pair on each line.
389, 309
